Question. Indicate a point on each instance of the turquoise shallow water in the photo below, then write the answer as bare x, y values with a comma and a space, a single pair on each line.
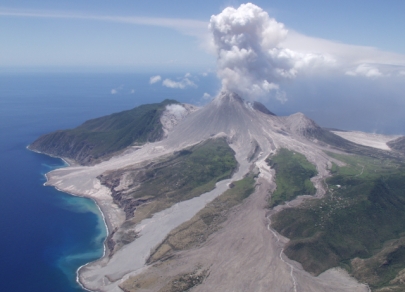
69, 262
71, 255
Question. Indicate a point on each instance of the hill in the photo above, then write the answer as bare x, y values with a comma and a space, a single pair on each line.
398, 144
101, 137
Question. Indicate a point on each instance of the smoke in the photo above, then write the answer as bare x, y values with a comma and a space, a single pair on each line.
250, 59
176, 110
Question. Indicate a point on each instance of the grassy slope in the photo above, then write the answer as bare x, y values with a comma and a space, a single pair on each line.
195, 170
103, 136
185, 175
364, 209
293, 174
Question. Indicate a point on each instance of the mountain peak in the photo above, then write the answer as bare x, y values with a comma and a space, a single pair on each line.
229, 96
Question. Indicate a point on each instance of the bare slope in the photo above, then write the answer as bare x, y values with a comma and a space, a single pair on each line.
367, 139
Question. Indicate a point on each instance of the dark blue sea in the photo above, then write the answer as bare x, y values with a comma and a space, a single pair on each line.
45, 235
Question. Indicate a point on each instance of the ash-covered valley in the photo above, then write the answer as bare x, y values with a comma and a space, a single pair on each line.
230, 197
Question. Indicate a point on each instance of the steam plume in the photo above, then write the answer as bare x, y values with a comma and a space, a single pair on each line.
250, 60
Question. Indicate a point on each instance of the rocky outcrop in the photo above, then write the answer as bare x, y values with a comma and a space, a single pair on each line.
262, 108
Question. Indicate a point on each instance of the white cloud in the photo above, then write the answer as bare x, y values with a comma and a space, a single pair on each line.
183, 83
365, 70
345, 55
132, 91
251, 36
250, 60
207, 96
178, 84
117, 90
281, 96
255, 54
187, 26
155, 79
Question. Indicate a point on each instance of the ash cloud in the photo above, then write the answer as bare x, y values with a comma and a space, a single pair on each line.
250, 58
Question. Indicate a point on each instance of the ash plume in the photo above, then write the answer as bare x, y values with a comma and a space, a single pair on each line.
250, 60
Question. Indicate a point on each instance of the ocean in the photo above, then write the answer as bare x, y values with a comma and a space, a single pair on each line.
46, 234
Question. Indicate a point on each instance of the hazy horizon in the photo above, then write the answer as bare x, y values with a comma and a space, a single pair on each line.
341, 63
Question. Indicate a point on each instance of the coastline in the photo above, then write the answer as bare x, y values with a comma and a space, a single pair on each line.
107, 224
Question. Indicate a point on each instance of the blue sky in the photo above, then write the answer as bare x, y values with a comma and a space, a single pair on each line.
342, 62
65, 41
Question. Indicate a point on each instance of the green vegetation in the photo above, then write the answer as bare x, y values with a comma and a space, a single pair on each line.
293, 174
191, 173
186, 281
365, 208
204, 223
185, 175
179, 283
104, 136
385, 269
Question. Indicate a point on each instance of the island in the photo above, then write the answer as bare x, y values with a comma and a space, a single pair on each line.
231, 197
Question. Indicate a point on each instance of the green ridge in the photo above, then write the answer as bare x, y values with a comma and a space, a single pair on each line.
101, 137
195, 170
293, 174
398, 144
364, 209
179, 177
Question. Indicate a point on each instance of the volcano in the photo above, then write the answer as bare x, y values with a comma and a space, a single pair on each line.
188, 206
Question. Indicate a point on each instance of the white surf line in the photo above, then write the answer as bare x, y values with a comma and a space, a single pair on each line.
104, 246
99, 208
281, 255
